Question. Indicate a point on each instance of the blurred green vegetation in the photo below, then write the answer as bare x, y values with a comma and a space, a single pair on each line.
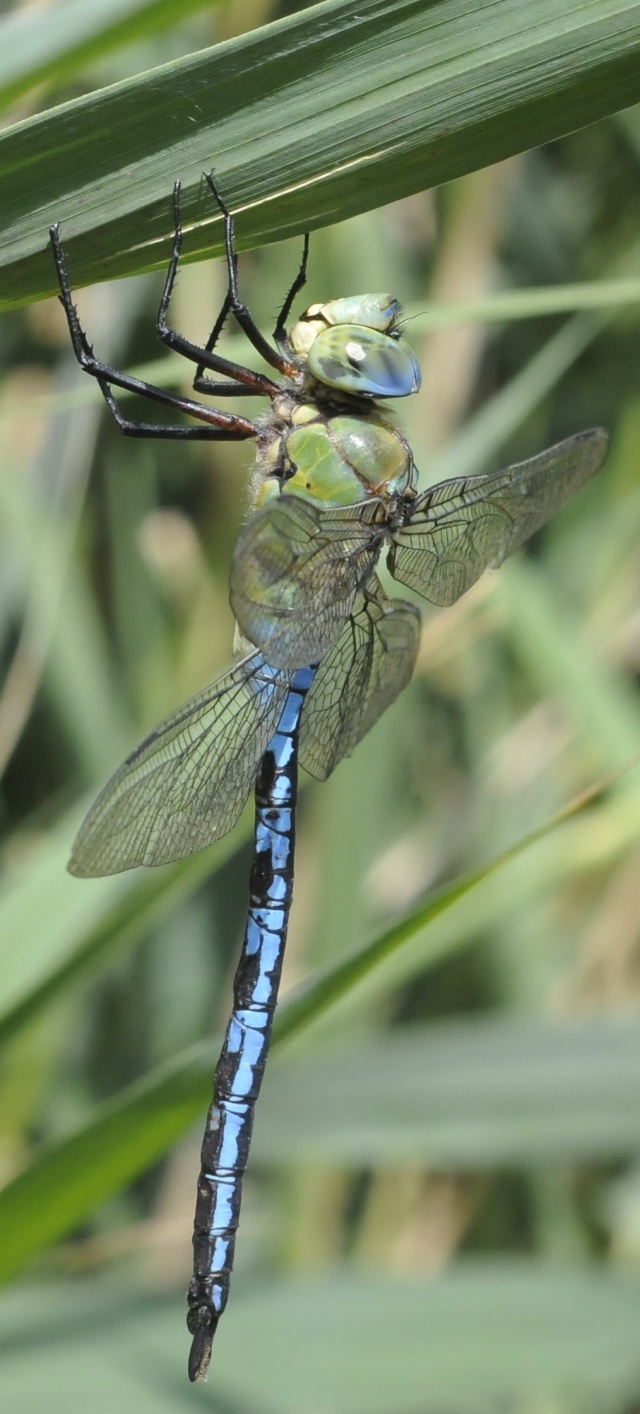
443, 1209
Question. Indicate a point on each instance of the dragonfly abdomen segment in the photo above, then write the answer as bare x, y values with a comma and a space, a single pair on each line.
242, 1062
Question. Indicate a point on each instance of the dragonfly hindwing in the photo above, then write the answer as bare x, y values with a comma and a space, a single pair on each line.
360, 677
296, 572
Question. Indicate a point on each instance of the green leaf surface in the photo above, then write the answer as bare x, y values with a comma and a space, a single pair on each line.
65, 926
74, 1176
311, 999
76, 32
309, 120
486, 1335
461, 1095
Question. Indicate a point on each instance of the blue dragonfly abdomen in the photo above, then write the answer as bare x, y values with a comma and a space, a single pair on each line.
238, 1076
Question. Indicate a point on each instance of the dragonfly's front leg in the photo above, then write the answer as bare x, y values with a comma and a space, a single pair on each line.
285, 365
245, 380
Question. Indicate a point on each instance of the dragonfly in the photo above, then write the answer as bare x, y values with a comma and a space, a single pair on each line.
321, 649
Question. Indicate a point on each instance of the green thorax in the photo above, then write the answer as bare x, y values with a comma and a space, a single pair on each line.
335, 459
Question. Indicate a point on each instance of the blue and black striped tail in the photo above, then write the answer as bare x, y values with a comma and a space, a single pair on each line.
239, 1072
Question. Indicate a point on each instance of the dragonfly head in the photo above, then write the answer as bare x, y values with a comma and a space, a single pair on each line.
353, 344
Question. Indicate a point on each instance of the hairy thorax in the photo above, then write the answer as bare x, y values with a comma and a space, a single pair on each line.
331, 453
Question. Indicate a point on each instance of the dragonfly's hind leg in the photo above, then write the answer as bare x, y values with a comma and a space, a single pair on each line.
219, 425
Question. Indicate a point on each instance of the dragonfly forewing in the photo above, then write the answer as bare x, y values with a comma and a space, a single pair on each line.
360, 677
296, 573
187, 783
461, 527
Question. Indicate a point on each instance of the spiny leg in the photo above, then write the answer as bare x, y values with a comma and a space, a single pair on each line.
280, 335
246, 380
220, 425
202, 384
247, 323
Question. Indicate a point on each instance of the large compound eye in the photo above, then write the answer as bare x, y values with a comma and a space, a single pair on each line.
359, 360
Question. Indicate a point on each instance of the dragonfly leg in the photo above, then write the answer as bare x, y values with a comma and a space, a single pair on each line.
280, 335
245, 380
241, 313
219, 425
202, 384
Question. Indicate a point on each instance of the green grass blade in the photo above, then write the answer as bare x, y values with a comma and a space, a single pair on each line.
536, 303
76, 32
467, 1094
488, 1334
312, 998
72, 1177
308, 120
66, 927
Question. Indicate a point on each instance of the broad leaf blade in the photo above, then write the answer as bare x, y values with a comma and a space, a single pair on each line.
308, 120
486, 1335
76, 32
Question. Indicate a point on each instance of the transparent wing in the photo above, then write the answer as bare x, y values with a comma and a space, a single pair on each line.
460, 527
296, 572
186, 784
360, 677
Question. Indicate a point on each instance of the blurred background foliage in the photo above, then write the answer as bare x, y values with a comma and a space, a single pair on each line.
443, 1208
